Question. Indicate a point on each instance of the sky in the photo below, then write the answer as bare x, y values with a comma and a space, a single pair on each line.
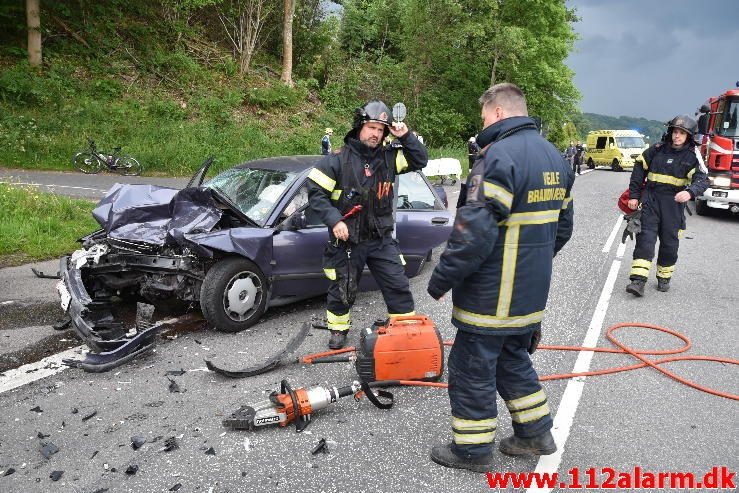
654, 58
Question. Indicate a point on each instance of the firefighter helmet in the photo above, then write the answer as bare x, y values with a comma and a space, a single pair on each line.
373, 111
683, 122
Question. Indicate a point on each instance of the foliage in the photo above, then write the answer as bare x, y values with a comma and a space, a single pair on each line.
651, 128
36, 225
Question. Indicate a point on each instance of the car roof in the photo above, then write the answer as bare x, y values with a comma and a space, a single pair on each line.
283, 163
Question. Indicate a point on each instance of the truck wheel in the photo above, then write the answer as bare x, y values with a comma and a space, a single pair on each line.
615, 166
591, 164
233, 295
701, 208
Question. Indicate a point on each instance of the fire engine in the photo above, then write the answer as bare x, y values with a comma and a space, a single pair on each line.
719, 129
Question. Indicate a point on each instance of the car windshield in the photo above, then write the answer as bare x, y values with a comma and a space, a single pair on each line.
253, 191
729, 126
630, 142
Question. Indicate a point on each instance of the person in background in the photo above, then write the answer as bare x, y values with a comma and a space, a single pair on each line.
570, 155
326, 142
577, 161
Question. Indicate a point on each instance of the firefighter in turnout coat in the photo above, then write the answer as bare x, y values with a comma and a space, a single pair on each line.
517, 215
352, 191
665, 177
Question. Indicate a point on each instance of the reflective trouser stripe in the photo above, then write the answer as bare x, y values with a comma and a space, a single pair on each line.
508, 274
330, 273
473, 431
640, 267
337, 322
667, 179
665, 272
390, 315
566, 202
320, 178
401, 163
336, 194
529, 407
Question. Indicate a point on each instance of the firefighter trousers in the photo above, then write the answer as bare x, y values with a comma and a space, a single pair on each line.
661, 218
384, 260
480, 365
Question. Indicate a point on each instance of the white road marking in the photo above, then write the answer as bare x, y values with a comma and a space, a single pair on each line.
571, 397
31, 372
621, 250
616, 227
51, 186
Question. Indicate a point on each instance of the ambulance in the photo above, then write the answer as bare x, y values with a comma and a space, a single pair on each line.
616, 149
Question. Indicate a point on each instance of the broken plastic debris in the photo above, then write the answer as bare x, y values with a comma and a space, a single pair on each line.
321, 446
247, 444
176, 487
210, 451
89, 416
9, 471
173, 387
176, 373
37, 409
42, 436
132, 469
56, 475
170, 444
48, 449
137, 442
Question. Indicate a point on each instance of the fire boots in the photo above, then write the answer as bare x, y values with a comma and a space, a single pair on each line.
663, 284
443, 455
636, 287
539, 445
338, 339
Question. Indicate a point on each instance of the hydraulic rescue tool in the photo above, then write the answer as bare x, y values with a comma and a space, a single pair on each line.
288, 406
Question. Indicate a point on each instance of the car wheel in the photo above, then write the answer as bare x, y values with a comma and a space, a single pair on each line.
615, 166
701, 208
233, 295
591, 164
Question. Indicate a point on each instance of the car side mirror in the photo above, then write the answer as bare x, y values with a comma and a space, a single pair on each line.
293, 223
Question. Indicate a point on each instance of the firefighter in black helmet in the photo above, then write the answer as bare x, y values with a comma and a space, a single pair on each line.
362, 173
665, 177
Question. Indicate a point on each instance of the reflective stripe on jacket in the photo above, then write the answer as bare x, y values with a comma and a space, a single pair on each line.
669, 170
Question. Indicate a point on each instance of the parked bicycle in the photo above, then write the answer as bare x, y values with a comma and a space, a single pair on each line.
91, 161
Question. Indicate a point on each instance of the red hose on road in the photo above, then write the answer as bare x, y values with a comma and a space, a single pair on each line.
624, 349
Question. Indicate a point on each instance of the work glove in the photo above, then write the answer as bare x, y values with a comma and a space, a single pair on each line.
633, 225
535, 338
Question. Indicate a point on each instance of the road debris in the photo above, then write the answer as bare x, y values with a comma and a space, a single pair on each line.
132, 469
210, 451
173, 387
37, 409
89, 416
137, 442
170, 444
56, 475
48, 449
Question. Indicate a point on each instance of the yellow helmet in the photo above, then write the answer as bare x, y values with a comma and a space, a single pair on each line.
329, 131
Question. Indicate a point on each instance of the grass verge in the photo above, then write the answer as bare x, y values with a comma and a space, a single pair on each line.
38, 226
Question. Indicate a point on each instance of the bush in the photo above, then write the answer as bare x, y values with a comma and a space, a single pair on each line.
277, 95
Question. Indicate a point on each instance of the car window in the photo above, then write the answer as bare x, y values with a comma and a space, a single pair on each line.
414, 192
253, 191
601, 143
300, 200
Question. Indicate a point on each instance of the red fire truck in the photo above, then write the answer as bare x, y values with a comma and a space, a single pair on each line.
719, 126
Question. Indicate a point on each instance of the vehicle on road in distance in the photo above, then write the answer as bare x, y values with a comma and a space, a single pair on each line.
616, 149
242, 242
92, 161
718, 127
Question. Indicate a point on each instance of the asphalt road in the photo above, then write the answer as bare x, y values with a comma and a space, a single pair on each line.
638, 418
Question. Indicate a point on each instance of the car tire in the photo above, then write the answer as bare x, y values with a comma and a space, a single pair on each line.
591, 164
701, 208
233, 295
615, 166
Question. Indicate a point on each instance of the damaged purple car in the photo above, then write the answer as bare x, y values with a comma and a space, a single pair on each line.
244, 241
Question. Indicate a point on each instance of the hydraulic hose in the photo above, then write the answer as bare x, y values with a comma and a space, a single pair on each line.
622, 349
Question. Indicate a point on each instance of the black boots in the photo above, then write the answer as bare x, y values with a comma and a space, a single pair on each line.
539, 445
663, 284
338, 339
636, 287
443, 455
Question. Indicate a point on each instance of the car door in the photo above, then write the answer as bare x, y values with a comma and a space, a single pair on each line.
422, 221
296, 254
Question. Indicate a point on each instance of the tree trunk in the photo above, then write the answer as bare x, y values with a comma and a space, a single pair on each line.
287, 43
33, 19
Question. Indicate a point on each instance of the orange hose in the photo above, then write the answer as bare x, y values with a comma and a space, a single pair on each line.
624, 349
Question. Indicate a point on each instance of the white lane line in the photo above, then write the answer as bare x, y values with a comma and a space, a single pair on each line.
31, 372
51, 186
616, 227
621, 250
571, 397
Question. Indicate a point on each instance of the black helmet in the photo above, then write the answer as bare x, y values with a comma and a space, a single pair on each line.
373, 111
683, 122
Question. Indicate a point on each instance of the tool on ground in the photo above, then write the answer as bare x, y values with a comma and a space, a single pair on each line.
288, 406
